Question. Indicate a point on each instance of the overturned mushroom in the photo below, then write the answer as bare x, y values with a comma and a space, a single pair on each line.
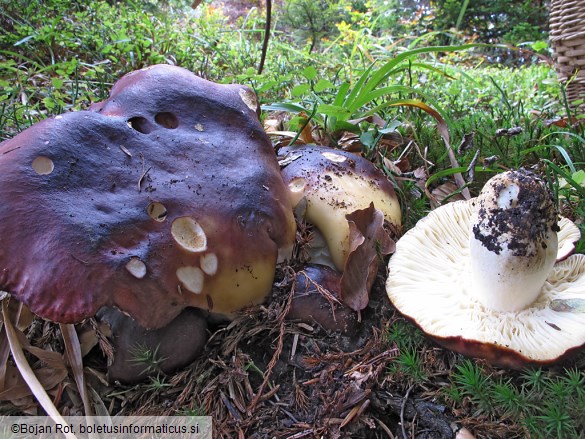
166, 195
481, 276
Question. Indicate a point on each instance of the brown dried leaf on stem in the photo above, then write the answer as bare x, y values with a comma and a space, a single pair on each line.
369, 242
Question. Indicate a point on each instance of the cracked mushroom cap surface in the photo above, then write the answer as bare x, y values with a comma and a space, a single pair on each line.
335, 183
166, 195
430, 281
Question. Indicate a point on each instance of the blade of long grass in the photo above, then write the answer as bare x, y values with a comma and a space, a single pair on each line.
569, 179
340, 96
283, 106
443, 130
357, 89
460, 17
27, 372
404, 89
73, 352
451, 171
380, 75
424, 66
567, 158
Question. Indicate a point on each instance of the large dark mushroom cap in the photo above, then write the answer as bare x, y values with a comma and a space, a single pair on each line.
166, 195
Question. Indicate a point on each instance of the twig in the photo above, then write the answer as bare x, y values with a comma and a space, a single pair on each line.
293, 351
10, 150
79, 260
404, 401
266, 35
302, 434
233, 411
385, 428
142, 178
125, 151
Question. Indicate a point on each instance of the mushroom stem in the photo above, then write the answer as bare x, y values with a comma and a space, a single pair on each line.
513, 240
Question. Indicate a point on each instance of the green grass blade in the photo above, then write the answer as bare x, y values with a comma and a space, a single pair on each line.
357, 89
284, 106
340, 96
569, 179
381, 74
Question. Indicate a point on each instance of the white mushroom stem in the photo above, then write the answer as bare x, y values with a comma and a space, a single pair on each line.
513, 241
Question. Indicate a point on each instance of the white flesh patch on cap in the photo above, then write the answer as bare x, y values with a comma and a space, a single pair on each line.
188, 234
296, 189
157, 211
249, 98
136, 267
43, 165
192, 278
430, 282
209, 263
337, 158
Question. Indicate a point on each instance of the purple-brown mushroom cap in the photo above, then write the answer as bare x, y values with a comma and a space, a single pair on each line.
317, 300
166, 195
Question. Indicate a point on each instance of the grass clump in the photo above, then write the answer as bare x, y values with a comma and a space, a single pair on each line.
543, 403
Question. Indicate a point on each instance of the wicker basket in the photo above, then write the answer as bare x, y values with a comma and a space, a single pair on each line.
567, 36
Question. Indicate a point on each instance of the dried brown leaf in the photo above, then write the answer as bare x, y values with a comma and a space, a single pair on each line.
374, 118
350, 142
88, 339
307, 134
466, 142
443, 131
368, 242
445, 191
17, 388
393, 167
